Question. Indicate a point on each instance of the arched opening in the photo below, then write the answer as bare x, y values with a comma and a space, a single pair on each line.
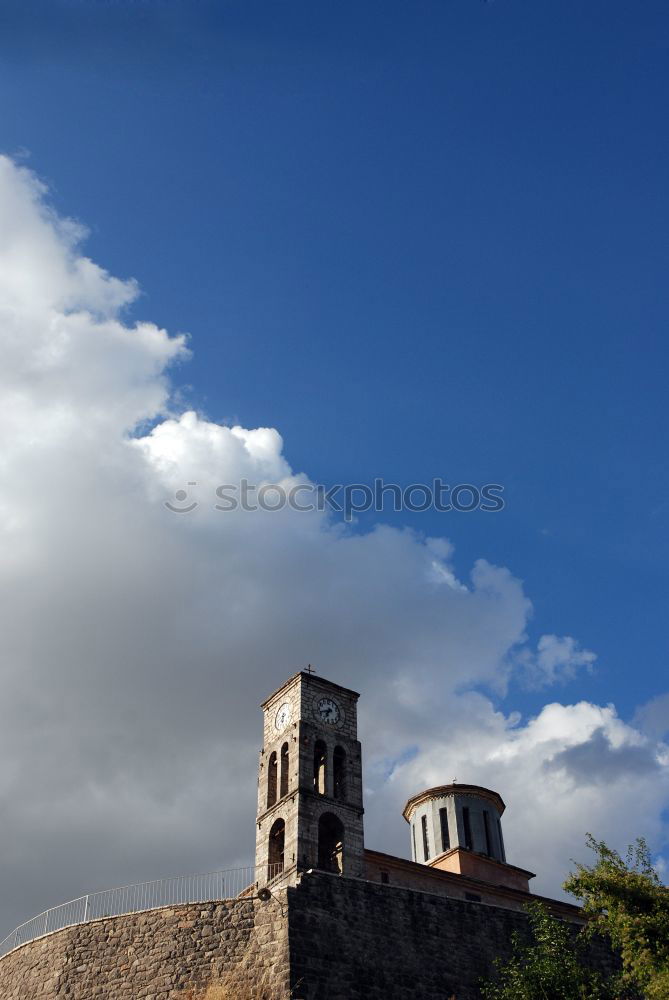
466, 823
271, 779
331, 843
502, 852
426, 842
320, 759
486, 830
284, 770
277, 843
339, 773
445, 838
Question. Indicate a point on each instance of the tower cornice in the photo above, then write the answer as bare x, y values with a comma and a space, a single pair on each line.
314, 679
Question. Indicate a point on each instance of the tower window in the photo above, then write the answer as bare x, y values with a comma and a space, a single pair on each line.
277, 841
331, 843
284, 770
486, 828
467, 827
339, 773
413, 836
426, 843
445, 839
271, 779
501, 841
320, 758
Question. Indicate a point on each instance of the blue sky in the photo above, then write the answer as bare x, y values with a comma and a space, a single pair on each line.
419, 239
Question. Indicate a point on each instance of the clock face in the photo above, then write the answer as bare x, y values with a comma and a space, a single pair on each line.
328, 711
283, 716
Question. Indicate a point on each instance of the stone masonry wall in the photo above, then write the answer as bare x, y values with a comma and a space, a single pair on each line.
172, 953
327, 938
355, 940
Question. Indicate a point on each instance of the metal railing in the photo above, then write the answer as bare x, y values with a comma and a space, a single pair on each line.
181, 889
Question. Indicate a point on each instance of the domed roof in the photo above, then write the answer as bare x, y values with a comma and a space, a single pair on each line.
441, 791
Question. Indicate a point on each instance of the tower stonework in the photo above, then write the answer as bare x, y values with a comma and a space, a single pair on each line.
309, 781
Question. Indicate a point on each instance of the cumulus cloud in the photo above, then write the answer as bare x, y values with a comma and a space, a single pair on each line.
556, 659
653, 717
137, 643
571, 768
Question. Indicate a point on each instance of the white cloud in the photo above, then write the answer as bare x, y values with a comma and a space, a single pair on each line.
653, 717
137, 643
572, 769
557, 659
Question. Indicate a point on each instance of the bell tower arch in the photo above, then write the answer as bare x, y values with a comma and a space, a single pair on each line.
310, 781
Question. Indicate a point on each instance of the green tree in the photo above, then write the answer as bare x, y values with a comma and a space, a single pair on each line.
547, 964
627, 903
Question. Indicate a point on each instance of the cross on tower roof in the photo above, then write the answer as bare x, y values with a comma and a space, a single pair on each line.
310, 669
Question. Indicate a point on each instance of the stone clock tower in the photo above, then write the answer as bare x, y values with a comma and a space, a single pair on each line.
310, 781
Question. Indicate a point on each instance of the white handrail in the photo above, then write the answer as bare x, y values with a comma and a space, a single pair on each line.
207, 887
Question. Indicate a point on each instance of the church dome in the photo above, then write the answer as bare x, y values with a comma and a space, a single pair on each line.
455, 816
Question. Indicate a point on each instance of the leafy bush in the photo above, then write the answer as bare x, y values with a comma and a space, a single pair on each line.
626, 901
547, 964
